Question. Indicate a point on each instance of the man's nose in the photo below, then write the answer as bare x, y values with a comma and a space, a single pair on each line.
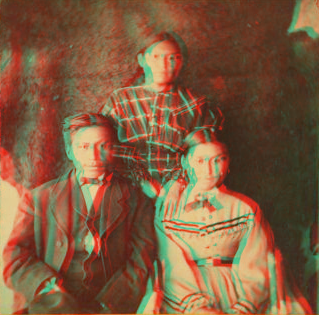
94, 153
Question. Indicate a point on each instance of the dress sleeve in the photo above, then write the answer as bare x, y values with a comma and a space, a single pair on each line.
109, 109
251, 267
212, 117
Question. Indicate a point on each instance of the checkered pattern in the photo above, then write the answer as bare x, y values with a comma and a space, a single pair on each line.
157, 123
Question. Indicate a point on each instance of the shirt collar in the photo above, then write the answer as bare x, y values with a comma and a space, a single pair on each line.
106, 177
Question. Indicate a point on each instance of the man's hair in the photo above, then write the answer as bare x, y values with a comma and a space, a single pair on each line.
73, 123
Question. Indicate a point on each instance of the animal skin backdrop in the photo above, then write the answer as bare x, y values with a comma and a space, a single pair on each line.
66, 56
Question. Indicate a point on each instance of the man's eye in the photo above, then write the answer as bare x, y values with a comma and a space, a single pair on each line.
105, 146
220, 159
84, 146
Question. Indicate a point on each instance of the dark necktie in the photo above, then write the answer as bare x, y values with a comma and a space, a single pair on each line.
91, 181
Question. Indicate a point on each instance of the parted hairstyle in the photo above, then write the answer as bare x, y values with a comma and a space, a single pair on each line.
165, 36
150, 40
73, 123
202, 136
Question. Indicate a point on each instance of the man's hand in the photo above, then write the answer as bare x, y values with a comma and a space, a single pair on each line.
56, 303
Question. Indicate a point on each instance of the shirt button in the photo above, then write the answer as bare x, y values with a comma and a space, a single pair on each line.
59, 243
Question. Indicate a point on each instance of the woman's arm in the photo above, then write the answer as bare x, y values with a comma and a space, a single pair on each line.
251, 272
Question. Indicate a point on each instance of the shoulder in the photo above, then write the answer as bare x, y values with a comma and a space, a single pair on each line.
236, 199
54, 185
126, 185
189, 93
127, 90
131, 192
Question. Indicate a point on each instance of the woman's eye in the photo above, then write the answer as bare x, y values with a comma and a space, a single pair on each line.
200, 161
220, 159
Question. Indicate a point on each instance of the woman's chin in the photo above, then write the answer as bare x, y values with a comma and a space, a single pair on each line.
205, 184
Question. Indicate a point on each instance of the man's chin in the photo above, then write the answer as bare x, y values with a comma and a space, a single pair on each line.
94, 171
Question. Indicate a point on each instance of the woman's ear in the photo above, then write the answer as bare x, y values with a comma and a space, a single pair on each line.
184, 162
141, 60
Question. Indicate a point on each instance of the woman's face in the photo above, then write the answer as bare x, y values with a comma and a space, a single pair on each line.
208, 164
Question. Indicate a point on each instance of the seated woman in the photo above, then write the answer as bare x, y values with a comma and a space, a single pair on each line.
216, 250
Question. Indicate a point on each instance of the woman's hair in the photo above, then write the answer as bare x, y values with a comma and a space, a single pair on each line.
161, 37
73, 123
201, 136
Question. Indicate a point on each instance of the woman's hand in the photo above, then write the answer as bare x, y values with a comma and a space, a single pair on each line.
167, 204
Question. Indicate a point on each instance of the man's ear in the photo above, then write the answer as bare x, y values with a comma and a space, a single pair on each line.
69, 152
141, 60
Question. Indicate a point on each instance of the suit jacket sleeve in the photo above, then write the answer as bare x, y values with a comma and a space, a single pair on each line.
124, 291
24, 271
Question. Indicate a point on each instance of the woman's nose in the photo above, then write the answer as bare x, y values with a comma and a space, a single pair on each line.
212, 168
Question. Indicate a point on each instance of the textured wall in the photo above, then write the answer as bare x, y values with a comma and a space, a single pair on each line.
65, 56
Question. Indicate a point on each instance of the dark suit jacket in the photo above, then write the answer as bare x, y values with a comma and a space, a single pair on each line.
41, 242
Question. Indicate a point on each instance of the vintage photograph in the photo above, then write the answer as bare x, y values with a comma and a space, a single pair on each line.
159, 156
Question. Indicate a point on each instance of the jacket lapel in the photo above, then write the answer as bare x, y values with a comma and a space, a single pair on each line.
68, 198
114, 207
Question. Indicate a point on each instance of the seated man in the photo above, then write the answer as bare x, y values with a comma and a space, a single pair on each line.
82, 243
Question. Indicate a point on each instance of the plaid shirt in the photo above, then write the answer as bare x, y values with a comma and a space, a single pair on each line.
152, 125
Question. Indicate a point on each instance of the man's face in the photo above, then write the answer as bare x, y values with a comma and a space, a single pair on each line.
90, 150
162, 63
